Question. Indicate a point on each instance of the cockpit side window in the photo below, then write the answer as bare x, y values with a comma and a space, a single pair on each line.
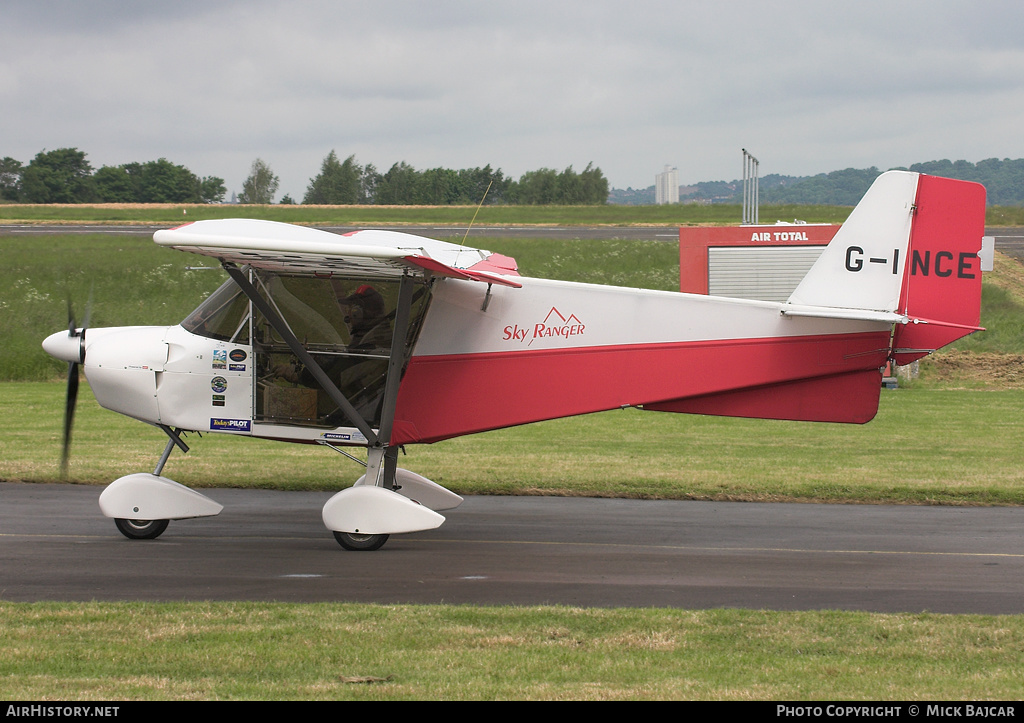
346, 324
223, 315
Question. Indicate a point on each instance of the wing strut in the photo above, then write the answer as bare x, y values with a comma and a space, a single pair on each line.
304, 356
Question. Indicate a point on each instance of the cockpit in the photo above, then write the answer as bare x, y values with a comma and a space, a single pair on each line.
346, 326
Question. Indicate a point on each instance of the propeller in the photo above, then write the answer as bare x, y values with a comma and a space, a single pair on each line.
71, 399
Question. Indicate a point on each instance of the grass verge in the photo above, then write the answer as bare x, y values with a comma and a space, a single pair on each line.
242, 651
497, 215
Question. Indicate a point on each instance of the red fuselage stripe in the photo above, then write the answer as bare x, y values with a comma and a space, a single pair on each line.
450, 395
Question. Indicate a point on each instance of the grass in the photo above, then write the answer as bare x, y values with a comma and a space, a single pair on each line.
1002, 305
607, 215
243, 651
115, 280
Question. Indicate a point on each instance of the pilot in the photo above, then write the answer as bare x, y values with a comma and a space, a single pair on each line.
365, 317
359, 378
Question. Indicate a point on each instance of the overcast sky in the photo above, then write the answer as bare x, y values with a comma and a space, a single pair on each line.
807, 87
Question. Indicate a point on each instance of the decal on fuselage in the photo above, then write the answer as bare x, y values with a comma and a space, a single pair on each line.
230, 425
555, 324
353, 436
943, 264
855, 259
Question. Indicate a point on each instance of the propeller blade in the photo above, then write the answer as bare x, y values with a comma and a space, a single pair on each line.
69, 416
71, 399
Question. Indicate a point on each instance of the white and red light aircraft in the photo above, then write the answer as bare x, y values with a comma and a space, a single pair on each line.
379, 339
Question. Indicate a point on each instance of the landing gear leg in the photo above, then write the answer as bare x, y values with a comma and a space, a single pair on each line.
380, 467
151, 494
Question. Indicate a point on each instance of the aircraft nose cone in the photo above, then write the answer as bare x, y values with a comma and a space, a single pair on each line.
64, 346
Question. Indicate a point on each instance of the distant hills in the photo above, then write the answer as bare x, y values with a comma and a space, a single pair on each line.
1004, 180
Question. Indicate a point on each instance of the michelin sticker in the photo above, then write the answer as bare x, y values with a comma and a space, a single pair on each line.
354, 436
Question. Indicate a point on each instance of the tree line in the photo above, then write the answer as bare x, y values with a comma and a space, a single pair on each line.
348, 182
1003, 180
65, 176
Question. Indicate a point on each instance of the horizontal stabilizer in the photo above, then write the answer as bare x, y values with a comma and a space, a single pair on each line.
822, 312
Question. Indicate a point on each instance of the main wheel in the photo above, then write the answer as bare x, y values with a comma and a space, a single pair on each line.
357, 542
141, 529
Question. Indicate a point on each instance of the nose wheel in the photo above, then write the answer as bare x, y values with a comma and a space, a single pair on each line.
141, 529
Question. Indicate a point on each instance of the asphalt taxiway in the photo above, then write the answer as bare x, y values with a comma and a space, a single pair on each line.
272, 546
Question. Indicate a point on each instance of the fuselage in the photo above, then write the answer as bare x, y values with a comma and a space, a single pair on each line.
483, 357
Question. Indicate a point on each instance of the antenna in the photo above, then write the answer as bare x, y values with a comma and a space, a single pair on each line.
477, 211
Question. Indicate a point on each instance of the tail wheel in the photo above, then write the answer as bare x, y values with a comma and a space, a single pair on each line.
364, 543
141, 529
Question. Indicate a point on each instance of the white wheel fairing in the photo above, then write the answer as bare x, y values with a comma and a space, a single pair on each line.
144, 496
367, 510
419, 489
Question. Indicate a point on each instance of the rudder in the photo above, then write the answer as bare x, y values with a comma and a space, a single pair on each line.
941, 290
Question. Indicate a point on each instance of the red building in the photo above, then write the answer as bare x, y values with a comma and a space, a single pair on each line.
749, 262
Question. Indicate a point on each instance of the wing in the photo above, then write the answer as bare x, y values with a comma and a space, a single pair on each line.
284, 247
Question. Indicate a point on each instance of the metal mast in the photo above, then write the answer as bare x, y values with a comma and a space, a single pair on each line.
750, 189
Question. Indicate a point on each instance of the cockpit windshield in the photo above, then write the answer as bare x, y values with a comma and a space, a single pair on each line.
224, 315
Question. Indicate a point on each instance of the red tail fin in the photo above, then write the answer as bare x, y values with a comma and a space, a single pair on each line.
941, 291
